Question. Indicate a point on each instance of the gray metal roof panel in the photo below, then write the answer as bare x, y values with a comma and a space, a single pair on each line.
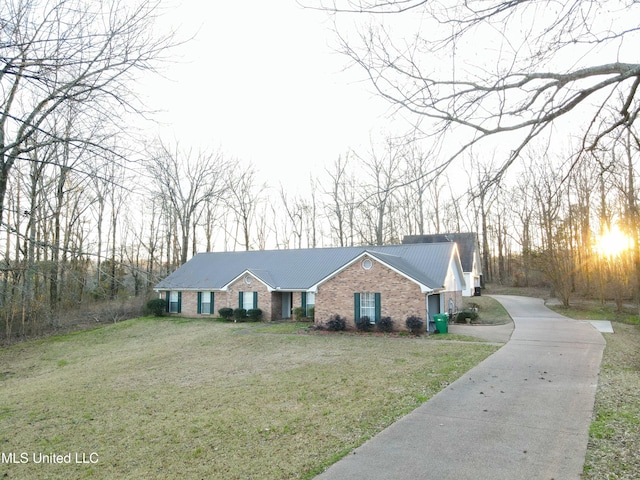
467, 244
303, 268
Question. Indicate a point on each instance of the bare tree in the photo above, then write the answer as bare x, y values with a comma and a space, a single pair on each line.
382, 169
540, 62
418, 187
244, 197
339, 204
69, 52
300, 216
186, 182
312, 214
632, 150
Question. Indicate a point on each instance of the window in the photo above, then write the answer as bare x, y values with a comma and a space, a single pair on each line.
248, 300
174, 301
205, 302
310, 303
367, 304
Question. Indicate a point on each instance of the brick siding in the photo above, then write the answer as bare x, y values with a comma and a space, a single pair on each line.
264, 296
399, 296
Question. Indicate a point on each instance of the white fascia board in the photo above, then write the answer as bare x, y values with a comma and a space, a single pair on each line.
188, 289
455, 258
278, 289
225, 287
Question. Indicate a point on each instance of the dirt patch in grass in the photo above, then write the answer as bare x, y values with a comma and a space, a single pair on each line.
614, 435
159, 398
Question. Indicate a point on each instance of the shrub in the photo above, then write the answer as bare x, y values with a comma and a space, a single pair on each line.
299, 313
385, 324
336, 323
364, 324
240, 314
157, 306
254, 314
464, 314
312, 312
226, 313
414, 324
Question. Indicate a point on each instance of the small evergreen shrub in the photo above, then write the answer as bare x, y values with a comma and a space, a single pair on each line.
364, 324
240, 314
414, 324
336, 323
299, 313
464, 314
226, 313
157, 306
385, 324
312, 313
254, 314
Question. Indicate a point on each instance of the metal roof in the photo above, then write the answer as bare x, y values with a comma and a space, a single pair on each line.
425, 263
467, 245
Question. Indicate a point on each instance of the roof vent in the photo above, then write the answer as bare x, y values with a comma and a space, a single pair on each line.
367, 264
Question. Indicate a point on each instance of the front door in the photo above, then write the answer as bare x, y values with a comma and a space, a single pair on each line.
433, 308
287, 300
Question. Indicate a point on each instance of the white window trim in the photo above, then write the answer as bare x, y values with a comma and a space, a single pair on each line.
368, 306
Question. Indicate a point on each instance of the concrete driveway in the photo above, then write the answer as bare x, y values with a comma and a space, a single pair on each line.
523, 413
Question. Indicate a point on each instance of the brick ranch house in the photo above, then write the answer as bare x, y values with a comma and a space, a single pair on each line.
375, 281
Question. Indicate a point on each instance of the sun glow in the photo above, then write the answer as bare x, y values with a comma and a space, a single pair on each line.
613, 242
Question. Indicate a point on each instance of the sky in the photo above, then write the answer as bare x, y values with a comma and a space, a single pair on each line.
263, 81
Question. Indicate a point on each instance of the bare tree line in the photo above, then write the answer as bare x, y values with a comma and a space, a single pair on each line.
86, 217
73, 239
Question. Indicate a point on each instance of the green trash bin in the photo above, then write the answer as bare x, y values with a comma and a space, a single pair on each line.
442, 321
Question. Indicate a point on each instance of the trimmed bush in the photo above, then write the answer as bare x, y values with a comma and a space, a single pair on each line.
364, 324
226, 313
336, 323
240, 314
414, 324
254, 314
385, 324
464, 314
312, 312
299, 313
157, 306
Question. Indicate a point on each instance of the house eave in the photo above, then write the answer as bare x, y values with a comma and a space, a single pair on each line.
247, 271
189, 289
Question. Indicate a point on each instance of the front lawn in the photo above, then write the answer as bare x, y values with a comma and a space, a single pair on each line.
490, 311
594, 310
168, 398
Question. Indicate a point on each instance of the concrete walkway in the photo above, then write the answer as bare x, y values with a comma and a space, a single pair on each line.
523, 413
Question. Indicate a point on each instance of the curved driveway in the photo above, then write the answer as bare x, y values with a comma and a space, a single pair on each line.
523, 413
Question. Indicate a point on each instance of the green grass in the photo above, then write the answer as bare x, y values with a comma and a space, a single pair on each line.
284, 328
592, 310
166, 398
490, 311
